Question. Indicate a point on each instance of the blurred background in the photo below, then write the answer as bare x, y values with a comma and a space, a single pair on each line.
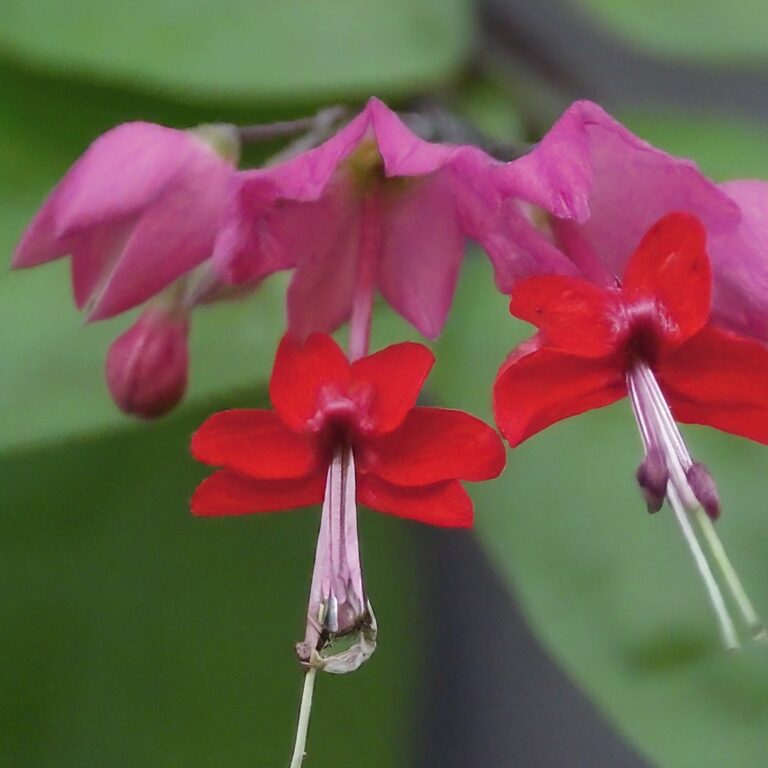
569, 630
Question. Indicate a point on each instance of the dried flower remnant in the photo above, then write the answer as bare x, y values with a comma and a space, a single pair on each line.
648, 337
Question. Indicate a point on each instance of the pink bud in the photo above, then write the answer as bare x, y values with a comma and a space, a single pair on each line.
146, 366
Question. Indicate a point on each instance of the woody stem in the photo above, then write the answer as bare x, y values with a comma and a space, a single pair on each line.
365, 279
299, 749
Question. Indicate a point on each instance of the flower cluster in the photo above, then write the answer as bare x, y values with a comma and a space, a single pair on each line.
644, 279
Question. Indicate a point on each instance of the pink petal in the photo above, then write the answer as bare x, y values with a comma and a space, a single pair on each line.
172, 236
117, 176
740, 263
633, 185
325, 243
422, 249
403, 152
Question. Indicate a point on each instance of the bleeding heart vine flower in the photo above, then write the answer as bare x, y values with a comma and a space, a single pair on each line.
340, 434
649, 337
376, 208
343, 434
618, 185
138, 214
137, 211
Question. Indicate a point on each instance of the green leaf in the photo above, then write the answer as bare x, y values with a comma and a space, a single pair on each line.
716, 30
723, 149
257, 50
136, 635
610, 590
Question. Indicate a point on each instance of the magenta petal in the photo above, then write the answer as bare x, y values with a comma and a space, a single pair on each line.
136, 211
173, 236
403, 152
326, 235
740, 263
633, 185
421, 255
119, 174
557, 174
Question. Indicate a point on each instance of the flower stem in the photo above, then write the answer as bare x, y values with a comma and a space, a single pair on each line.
299, 750
365, 280
253, 134
752, 620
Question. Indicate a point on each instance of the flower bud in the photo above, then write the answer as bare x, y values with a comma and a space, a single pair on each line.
146, 368
704, 489
652, 477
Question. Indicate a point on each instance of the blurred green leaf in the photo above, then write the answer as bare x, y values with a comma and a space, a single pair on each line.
610, 590
257, 50
135, 635
716, 30
723, 149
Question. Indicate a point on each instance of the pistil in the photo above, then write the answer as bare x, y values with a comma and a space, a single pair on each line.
692, 495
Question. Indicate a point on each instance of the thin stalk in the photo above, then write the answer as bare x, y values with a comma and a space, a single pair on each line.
253, 134
299, 749
752, 620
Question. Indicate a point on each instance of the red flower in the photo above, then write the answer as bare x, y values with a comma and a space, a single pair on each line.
592, 340
408, 460
342, 433
649, 337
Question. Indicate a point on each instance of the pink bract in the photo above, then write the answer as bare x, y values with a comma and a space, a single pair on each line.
619, 185
139, 209
376, 198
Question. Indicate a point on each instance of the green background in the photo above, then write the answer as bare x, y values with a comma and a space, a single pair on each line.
133, 634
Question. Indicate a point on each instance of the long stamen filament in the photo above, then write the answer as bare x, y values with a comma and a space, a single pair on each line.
752, 620
716, 549
722, 614
654, 427
299, 749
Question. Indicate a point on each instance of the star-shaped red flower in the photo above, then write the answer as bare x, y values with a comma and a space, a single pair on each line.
409, 460
591, 339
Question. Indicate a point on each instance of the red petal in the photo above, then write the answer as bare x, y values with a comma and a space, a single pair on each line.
301, 370
395, 375
256, 443
228, 493
573, 314
435, 444
719, 379
548, 385
671, 268
443, 504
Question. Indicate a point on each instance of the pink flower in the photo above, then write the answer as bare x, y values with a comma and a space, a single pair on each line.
146, 369
619, 185
377, 208
137, 211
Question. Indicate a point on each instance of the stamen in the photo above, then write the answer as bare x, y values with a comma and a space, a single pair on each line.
689, 487
653, 477
338, 607
751, 619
